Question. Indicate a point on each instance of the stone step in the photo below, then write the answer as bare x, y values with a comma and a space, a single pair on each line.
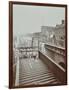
38, 80
31, 72
37, 76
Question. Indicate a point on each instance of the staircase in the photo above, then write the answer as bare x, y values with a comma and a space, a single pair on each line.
35, 72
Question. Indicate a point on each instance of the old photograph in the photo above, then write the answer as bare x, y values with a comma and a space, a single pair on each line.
38, 44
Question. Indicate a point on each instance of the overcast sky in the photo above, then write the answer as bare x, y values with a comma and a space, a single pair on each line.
29, 19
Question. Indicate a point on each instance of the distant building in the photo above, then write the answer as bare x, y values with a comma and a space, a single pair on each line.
54, 35
47, 34
60, 34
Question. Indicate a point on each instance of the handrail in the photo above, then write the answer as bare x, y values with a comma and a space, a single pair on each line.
56, 52
55, 46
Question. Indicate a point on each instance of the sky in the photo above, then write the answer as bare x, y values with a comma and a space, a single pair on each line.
29, 19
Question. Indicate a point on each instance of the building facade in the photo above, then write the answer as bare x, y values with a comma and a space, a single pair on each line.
54, 35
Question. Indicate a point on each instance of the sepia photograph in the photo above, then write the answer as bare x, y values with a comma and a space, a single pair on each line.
37, 44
